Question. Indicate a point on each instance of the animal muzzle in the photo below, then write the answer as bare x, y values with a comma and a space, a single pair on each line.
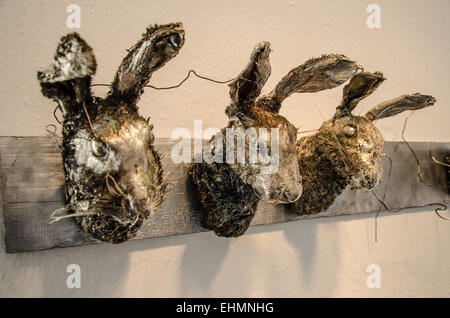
288, 182
367, 180
286, 195
141, 206
136, 192
290, 196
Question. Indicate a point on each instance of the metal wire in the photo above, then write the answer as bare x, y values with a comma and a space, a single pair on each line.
184, 80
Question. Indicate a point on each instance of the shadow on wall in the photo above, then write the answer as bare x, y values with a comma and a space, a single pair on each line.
201, 263
107, 270
258, 263
303, 238
105, 267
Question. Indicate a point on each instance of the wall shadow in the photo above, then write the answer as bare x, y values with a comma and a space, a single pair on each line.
304, 239
202, 260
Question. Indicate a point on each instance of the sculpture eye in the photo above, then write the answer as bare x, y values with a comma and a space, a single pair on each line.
349, 131
99, 148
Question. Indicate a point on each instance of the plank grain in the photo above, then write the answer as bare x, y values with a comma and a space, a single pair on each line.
31, 180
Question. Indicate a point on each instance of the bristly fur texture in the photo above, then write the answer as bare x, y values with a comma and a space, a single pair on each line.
230, 192
347, 148
113, 175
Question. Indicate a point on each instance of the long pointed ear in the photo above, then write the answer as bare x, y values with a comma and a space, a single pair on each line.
67, 80
317, 74
400, 104
158, 45
248, 85
360, 86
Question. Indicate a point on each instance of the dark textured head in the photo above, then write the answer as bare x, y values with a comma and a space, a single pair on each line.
353, 141
114, 178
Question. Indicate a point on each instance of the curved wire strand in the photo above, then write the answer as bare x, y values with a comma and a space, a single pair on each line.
182, 82
185, 79
419, 170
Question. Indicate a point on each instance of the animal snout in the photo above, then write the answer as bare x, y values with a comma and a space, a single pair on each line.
141, 206
367, 180
371, 181
136, 190
287, 195
291, 196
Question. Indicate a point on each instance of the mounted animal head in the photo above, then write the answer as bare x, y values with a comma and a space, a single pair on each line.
114, 178
246, 110
347, 148
230, 191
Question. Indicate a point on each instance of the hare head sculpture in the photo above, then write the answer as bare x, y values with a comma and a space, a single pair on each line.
347, 148
230, 191
113, 175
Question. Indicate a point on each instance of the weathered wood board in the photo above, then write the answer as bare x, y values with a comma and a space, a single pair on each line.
32, 180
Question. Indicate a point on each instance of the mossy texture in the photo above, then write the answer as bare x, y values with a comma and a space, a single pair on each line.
346, 151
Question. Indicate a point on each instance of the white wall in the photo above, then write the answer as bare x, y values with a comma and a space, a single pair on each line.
319, 257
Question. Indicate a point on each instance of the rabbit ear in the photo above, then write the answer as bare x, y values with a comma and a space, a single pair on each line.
248, 85
67, 80
400, 104
317, 74
360, 86
158, 45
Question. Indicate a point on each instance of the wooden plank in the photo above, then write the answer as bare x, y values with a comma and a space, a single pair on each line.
32, 179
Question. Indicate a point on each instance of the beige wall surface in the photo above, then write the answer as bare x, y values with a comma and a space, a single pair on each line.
320, 257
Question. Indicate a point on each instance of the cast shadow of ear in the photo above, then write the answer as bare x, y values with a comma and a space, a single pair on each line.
303, 236
203, 255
